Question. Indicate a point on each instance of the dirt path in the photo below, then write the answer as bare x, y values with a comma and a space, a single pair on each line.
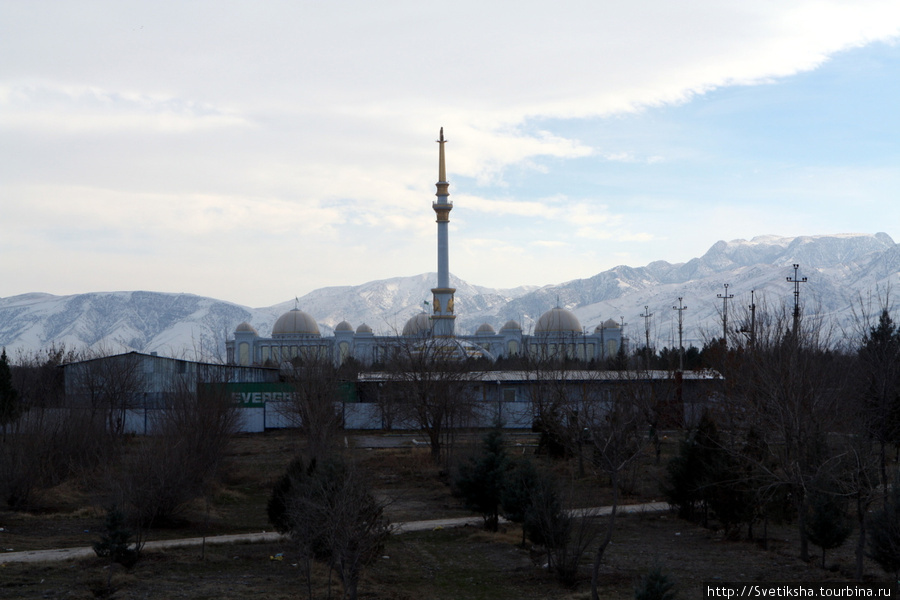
64, 554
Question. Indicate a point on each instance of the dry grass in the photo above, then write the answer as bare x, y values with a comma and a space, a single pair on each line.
451, 564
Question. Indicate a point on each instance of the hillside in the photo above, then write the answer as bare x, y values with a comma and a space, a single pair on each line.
840, 269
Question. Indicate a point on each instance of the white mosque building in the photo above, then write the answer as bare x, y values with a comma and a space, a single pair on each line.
557, 333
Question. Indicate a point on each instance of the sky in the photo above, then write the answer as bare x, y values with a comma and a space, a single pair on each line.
256, 151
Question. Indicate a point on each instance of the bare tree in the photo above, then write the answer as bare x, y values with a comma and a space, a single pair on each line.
429, 387
612, 425
332, 514
312, 407
48, 442
109, 385
792, 391
38, 377
600, 418
552, 389
184, 455
565, 534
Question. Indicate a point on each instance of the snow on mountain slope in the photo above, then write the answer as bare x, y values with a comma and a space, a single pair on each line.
840, 269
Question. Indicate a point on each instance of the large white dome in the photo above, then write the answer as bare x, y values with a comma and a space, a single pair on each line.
557, 320
417, 324
295, 322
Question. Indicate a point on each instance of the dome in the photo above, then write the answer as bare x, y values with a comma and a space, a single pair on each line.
607, 324
295, 322
246, 327
343, 326
558, 320
511, 325
449, 349
485, 329
363, 329
417, 325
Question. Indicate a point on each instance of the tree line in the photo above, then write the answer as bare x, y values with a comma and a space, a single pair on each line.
804, 428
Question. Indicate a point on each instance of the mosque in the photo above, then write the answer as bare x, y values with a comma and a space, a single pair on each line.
557, 334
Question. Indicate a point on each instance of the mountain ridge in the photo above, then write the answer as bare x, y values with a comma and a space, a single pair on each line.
840, 269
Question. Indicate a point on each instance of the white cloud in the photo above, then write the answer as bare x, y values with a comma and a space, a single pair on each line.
229, 129
60, 109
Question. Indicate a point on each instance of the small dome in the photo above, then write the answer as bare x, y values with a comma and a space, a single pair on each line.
417, 325
558, 320
610, 324
295, 322
344, 326
363, 329
511, 325
485, 329
246, 327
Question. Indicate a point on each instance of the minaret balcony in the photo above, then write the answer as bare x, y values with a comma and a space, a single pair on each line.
442, 209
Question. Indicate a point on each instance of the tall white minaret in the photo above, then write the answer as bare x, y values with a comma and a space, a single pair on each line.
442, 304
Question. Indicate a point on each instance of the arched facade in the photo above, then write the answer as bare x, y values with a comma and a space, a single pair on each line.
557, 335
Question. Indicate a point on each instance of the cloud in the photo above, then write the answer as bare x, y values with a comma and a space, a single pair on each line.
58, 109
251, 131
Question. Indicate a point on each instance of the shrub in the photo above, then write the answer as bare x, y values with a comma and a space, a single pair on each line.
655, 585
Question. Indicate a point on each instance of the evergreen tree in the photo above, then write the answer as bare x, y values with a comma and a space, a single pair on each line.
884, 536
116, 542
282, 494
879, 357
481, 479
655, 585
704, 477
827, 523
10, 407
690, 472
516, 495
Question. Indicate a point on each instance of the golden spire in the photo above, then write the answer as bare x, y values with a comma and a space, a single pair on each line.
442, 185
442, 170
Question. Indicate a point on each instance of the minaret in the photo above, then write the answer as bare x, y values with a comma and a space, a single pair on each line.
443, 294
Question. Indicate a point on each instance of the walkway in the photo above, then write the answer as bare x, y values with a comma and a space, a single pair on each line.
64, 554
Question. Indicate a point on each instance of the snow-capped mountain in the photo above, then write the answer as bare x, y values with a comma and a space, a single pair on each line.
840, 270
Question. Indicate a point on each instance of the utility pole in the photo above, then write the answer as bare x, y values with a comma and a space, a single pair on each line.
646, 316
796, 281
751, 333
725, 298
680, 308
